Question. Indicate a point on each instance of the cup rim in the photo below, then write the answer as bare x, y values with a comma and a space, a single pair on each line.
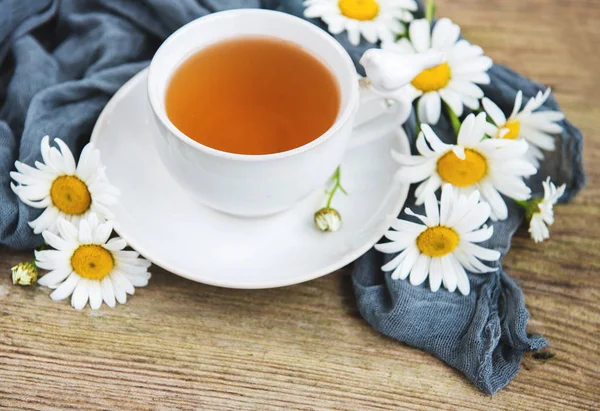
342, 118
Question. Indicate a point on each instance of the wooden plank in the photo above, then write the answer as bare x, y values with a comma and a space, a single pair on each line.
181, 345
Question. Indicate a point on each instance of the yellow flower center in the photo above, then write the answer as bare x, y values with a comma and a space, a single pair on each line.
359, 9
462, 173
92, 261
433, 79
70, 195
437, 241
514, 129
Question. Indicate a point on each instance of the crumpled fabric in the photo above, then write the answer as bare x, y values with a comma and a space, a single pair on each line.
61, 61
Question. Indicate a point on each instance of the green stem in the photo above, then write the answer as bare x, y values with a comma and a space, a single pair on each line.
337, 185
417, 119
522, 203
454, 120
530, 206
430, 10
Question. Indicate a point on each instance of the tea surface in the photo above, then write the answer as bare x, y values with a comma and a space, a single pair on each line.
253, 95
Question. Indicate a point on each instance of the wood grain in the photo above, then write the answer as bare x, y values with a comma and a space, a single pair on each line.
181, 345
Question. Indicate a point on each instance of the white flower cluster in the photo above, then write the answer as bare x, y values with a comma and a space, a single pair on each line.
492, 155
85, 263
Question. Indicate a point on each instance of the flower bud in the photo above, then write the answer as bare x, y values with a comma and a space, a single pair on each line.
24, 274
328, 219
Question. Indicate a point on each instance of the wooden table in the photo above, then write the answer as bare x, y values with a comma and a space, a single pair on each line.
182, 345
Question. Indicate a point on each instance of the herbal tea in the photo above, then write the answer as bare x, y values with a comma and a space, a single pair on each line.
256, 95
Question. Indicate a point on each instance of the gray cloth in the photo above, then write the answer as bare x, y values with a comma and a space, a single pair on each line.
483, 334
61, 61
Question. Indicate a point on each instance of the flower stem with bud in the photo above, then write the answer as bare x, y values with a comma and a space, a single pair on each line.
327, 218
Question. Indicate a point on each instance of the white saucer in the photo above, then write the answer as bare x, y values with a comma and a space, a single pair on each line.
167, 226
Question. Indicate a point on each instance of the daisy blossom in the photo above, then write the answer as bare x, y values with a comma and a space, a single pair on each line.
492, 166
542, 214
536, 128
62, 188
86, 265
373, 19
444, 245
453, 81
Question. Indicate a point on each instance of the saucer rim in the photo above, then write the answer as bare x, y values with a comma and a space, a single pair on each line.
341, 262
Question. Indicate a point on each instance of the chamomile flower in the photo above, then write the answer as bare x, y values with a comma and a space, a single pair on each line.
536, 128
373, 19
541, 211
492, 166
444, 245
86, 265
454, 81
64, 189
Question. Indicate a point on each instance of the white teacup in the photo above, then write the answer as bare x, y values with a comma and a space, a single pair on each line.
252, 185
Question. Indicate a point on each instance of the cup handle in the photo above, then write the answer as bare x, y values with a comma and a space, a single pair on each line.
377, 115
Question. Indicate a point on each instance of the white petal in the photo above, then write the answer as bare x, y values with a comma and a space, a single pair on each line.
538, 230
436, 144
538, 138
448, 274
471, 263
108, 294
81, 294
494, 112
434, 106
476, 65
481, 252
394, 262
390, 247
432, 209
403, 46
496, 202
68, 158
89, 162
119, 292
414, 174
420, 34
452, 98
479, 235
95, 293
67, 230
446, 203
429, 186
473, 219
462, 280
45, 221
465, 88
369, 32
138, 280
470, 102
445, 34
420, 270
517, 105
407, 227
122, 282
353, 33
423, 218
55, 276
407, 264
85, 232
435, 274
408, 160
66, 288
463, 51
55, 241
102, 233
